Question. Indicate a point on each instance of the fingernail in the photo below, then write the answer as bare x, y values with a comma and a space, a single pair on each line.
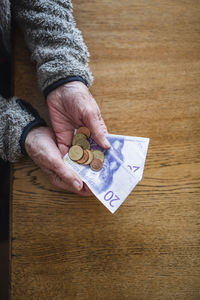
77, 185
106, 143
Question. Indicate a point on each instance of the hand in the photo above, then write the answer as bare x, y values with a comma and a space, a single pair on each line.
41, 147
71, 106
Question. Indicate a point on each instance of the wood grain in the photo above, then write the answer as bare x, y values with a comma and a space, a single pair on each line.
145, 57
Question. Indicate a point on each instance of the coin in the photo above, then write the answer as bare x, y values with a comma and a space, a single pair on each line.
78, 137
84, 130
98, 154
84, 158
84, 143
90, 157
96, 164
75, 152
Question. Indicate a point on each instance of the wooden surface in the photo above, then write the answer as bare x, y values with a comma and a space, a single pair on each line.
145, 57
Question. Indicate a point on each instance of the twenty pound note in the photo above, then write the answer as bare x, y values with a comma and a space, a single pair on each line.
122, 169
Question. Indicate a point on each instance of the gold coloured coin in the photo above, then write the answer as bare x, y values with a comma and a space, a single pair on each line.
84, 130
78, 137
84, 143
90, 157
84, 158
75, 152
96, 164
98, 154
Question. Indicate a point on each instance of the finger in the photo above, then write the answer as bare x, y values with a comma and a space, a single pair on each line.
66, 175
96, 125
85, 193
59, 183
64, 182
86, 189
62, 127
64, 140
63, 148
69, 176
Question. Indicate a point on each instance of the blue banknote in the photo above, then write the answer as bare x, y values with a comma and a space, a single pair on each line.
122, 169
131, 151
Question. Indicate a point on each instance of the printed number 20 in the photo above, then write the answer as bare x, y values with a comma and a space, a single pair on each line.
110, 196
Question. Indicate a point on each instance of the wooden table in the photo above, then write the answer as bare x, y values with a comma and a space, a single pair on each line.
145, 57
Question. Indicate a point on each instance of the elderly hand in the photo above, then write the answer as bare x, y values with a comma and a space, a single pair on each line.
41, 147
71, 106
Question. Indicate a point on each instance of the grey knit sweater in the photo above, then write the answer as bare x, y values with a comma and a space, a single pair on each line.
60, 54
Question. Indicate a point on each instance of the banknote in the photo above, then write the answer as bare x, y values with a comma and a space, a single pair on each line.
131, 151
122, 169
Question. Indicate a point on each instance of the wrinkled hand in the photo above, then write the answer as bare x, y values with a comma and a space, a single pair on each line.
41, 147
71, 106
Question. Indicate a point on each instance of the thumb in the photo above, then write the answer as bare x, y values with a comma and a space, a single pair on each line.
67, 175
63, 149
97, 127
64, 140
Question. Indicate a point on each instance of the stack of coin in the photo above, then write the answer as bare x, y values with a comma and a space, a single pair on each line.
81, 153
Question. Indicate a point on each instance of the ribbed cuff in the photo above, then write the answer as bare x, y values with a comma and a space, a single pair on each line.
35, 123
28, 107
62, 81
27, 128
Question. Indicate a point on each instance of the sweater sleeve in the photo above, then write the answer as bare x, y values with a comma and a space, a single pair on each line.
17, 118
56, 44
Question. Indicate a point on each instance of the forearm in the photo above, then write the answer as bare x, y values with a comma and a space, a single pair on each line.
16, 120
56, 44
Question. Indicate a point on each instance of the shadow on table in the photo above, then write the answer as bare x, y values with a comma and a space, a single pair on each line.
5, 91
4, 270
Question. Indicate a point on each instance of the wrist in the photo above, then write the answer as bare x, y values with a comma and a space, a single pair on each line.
36, 121
30, 127
63, 81
33, 136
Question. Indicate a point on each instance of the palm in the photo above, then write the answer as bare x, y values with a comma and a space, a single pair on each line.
40, 146
71, 106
